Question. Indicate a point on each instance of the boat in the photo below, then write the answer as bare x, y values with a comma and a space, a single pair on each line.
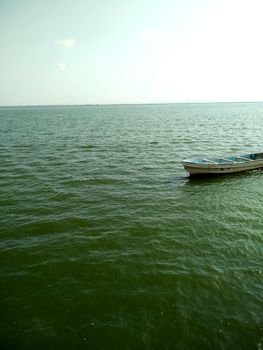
226, 165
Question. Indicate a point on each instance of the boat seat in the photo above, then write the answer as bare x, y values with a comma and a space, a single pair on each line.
228, 160
209, 161
251, 160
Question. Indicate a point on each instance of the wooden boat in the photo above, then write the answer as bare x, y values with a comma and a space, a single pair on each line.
227, 165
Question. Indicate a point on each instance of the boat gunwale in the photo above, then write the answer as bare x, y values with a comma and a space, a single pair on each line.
222, 165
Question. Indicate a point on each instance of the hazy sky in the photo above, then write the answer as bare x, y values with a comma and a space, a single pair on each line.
130, 51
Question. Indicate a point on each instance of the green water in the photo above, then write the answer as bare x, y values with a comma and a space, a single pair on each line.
106, 243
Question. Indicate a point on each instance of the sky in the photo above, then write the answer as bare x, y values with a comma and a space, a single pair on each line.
130, 51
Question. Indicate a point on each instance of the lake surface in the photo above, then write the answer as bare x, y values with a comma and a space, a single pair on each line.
106, 243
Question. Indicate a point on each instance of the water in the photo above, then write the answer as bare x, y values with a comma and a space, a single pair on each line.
106, 243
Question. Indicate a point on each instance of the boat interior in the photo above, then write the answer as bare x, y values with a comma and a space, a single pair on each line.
230, 159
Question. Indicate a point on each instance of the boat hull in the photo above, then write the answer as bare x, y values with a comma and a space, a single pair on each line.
220, 169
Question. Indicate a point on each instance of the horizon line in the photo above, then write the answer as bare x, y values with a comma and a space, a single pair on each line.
125, 104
